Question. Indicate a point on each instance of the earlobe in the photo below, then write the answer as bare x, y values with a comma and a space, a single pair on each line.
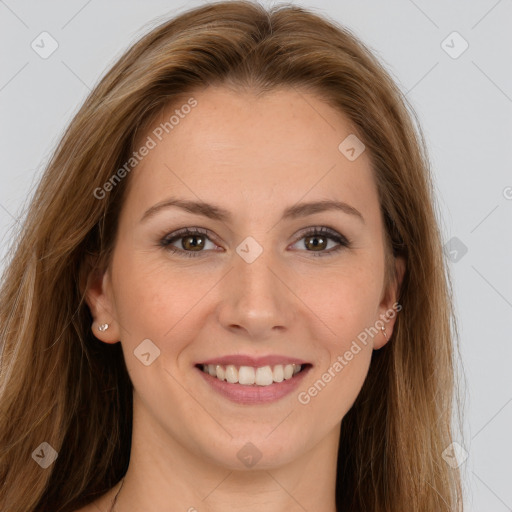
382, 337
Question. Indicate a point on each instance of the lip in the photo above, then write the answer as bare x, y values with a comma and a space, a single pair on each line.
254, 395
246, 360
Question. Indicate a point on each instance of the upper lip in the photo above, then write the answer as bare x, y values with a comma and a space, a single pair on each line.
246, 360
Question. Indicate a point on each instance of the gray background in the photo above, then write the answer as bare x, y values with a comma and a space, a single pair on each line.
465, 108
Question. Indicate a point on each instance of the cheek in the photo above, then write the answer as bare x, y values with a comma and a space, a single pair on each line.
347, 304
334, 390
345, 299
138, 285
156, 301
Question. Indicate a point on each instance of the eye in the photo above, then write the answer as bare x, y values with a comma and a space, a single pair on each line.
317, 239
191, 240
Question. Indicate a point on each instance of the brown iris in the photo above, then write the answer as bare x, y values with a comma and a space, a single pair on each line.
315, 245
193, 245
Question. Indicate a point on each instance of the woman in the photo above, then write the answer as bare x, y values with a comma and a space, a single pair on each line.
229, 290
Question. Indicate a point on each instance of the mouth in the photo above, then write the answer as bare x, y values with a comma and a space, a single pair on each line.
253, 376
252, 381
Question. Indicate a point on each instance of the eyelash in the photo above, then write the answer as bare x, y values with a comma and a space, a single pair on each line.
313, 231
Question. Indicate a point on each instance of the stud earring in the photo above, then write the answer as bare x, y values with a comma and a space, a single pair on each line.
103, 327
384, 332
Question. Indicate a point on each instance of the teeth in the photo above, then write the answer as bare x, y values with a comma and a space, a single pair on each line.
246, 375
264, 376
249, 376
231, 374
278, 373
221, 373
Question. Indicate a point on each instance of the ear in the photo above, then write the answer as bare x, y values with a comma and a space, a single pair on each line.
99, 298
389, 308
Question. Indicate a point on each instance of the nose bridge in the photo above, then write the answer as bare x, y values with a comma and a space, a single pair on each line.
254, 298
256, 281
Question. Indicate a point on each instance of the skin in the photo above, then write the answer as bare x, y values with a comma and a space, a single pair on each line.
253, 156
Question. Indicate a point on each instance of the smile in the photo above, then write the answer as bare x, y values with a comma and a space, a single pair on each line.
251, 376
253, 385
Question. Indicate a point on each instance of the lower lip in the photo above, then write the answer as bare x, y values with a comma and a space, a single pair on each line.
252, 395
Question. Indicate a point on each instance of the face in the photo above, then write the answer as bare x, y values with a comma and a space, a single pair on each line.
264, 281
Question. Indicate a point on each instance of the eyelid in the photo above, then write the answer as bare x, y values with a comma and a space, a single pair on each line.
328, 232
324, 230
170, 238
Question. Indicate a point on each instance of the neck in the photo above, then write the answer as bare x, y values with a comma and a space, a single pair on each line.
167, 476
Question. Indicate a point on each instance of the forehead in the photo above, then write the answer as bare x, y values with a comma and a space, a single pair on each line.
240, 148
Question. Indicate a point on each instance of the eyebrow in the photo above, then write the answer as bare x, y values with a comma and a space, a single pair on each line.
217, 213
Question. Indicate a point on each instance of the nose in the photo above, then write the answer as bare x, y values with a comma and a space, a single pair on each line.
255, 299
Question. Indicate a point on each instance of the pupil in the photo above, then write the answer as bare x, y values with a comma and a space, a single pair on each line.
315, 242
192, 243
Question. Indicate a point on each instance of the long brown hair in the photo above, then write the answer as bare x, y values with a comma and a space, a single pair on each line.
60, 385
